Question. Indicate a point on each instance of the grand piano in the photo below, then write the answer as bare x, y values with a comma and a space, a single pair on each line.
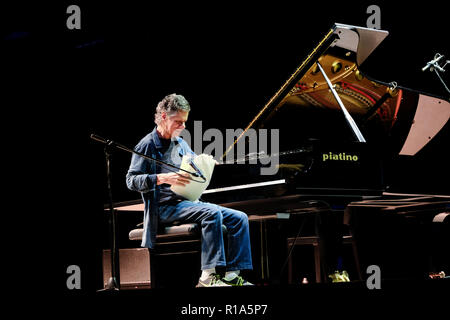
327, 144
337, 128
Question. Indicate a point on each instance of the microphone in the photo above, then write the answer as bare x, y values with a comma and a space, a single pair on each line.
98, 138
194, 166
434, 62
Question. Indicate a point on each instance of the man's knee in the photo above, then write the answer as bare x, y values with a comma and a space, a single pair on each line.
243, 217
212, 216
239, 218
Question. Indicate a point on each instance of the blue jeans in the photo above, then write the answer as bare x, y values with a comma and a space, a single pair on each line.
211, 217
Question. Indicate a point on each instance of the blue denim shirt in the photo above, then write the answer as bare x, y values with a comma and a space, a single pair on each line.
141, 177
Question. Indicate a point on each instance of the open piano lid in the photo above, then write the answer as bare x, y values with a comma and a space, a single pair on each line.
309, 117
376, 106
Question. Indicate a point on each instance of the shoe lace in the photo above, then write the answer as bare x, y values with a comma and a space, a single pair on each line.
215, 279
240, 281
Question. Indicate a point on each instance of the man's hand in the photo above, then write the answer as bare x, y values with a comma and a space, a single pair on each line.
172, 178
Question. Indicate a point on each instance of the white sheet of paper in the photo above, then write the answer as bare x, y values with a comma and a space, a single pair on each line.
193, 190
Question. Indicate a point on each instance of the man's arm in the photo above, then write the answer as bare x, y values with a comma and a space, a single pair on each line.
172, 178
138, 178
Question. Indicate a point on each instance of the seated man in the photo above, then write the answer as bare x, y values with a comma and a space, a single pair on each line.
162, 204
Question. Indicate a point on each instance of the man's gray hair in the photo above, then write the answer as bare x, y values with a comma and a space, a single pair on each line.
171, 104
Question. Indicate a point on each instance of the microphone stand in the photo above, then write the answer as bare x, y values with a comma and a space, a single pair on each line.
113, 283
122, 147
433, 65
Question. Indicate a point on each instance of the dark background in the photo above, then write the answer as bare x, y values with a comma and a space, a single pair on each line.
227, 59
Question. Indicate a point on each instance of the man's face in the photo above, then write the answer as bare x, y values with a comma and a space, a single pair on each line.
174, 124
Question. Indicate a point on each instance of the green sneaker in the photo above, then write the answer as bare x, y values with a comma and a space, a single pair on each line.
237, 281
339, 276
213, 280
